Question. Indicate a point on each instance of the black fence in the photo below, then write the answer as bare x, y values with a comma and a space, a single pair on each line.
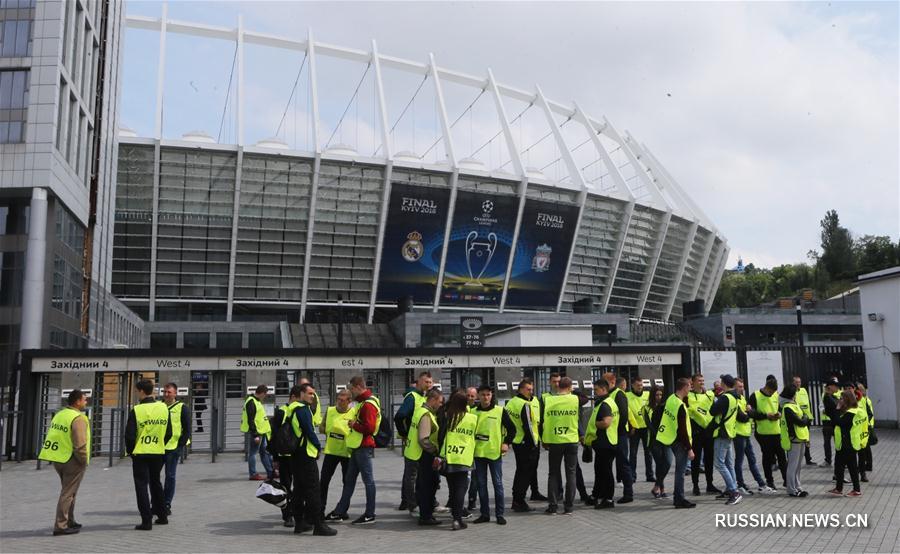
813, 364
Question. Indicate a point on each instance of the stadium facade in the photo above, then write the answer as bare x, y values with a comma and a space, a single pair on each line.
211, 231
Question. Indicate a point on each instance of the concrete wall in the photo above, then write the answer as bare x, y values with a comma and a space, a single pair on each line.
881, 342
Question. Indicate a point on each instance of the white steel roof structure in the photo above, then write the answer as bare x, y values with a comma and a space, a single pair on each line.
683, 255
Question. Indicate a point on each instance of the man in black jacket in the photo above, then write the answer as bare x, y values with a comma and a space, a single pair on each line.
830, 416
147, 431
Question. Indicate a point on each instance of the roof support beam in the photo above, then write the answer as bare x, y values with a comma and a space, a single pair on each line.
676, 284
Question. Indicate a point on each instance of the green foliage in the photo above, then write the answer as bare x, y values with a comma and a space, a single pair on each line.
828, 274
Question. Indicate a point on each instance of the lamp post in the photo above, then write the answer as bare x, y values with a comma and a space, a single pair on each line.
340, 336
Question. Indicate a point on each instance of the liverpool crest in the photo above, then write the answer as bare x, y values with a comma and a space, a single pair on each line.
541, 260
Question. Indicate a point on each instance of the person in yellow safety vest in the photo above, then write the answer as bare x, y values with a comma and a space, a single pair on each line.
743, 446
794, 431
579, 477
68, 447
472, 401
255, 424
764, 409
181, 437
306, 498
493, 436
525, 443
560, 435
422, 448
674, 432
147, 431
456, 454
865, 455
602, 435
806, 408
412, 400
724, 412
638, 398
623, 466
361, 442
700, 401
336, 426
850, 431
829, 416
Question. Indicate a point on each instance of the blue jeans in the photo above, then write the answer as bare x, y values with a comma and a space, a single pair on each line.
481, 468
724, 464
360, 463
172, 459
623, 467
744, 447
681, 460
263, 455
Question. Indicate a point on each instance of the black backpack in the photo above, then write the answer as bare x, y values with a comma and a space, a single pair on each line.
383, 436
284, 441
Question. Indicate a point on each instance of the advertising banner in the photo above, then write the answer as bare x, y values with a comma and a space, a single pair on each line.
479, 249
542, 251
413, 237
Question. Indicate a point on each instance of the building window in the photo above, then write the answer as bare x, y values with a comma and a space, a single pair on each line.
196, 340
12, 274
67, 285
15, 35
163, 340
262, 340
228, 340
68, 230
14, 216
61, 117
13, 105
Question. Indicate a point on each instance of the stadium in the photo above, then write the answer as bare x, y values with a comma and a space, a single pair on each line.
512, 203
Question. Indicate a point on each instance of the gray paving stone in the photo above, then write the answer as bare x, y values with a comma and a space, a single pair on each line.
215, 511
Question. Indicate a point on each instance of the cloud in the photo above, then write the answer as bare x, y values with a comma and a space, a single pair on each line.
768, 114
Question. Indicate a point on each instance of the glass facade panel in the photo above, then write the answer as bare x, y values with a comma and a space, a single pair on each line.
13, 105
134, 219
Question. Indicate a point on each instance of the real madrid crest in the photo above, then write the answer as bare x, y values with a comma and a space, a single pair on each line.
413, 248
541, 260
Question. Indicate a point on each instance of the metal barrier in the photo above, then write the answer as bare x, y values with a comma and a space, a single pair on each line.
115, 439
8, 421
214, 432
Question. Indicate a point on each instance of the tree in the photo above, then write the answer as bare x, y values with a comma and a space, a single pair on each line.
874, 253
837, 247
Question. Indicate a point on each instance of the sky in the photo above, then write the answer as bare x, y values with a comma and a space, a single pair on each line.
767, 114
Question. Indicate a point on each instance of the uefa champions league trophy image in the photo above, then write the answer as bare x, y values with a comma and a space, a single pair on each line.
482, 251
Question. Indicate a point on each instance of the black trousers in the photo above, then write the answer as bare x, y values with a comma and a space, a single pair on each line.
846, 457
329, 464
827, 435
426, 486
285, 477
458, 483
865, 459
307, 501
526, 470
772, 451
145, 469
639, 439
704, 450
604, 482
534, 473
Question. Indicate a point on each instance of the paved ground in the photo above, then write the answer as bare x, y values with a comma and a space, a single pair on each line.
215, 511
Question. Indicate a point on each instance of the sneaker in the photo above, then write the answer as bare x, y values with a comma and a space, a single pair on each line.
825, 464
334, 517
482, 519
810, 463
696, 490
710, 489
363, 520
323, 530
625, 500
550, 511
429, 522
794, 494
441, 509
75, 531
803, 494
684, 504
863, 478
744, 491
467, 514
471, 506
735, 498
538, 497
567, 512
257, 477
302, 528
766, 489
655, 494
589, 500
521, 508
501, 520
836, 492
459, 524
403, 506
854, 494
605, 504
723, 496
663, 495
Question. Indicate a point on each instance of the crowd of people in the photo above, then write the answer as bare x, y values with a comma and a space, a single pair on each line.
464, 436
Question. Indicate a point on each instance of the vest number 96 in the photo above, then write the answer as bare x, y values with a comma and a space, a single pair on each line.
454, 449
148, 439
560, 430
51, 445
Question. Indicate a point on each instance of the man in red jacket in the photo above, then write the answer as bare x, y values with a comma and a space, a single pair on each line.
362, 450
